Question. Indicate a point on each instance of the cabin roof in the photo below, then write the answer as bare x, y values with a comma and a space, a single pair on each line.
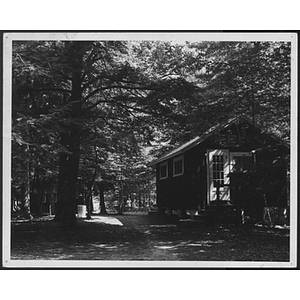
199, 139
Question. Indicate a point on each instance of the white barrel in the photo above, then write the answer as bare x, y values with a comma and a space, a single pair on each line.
81, 211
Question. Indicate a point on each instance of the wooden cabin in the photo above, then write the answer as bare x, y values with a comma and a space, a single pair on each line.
234, 164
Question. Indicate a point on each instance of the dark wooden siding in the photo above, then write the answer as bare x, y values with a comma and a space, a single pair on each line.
187, 190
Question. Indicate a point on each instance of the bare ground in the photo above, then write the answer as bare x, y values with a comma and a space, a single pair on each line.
145, 237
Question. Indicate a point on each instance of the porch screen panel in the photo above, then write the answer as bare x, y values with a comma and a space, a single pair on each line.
218, 169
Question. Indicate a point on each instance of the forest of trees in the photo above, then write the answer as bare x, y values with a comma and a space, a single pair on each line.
89, 115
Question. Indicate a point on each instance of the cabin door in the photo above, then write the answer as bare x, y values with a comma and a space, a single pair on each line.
217, 175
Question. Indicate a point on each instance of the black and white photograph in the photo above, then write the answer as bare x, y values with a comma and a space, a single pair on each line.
150, 150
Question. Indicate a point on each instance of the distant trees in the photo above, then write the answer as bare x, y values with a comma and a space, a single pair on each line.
35, 138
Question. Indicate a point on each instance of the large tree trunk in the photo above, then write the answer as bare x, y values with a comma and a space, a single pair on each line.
69, 161
67, 181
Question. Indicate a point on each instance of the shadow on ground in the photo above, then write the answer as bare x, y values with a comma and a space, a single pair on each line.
145, 237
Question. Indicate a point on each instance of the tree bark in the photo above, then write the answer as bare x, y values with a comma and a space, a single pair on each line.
102, 202
88, 199
67, 180
40, 198
69, 160
25, 192
26, 201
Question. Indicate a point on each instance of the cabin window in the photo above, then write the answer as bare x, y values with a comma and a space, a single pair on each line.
178, 166
241, 161
218, 169
163, 170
